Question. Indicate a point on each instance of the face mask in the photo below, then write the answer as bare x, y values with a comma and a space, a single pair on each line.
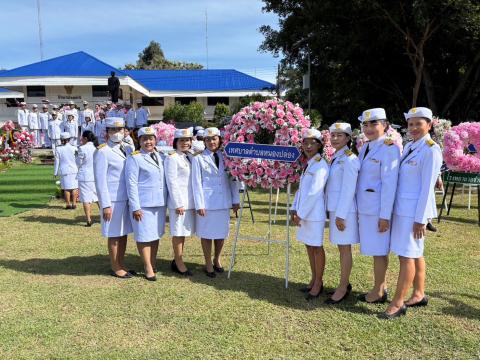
117, 137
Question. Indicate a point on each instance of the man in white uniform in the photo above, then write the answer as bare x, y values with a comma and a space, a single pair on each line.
22, 116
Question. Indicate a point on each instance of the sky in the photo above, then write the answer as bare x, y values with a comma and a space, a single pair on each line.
115, 31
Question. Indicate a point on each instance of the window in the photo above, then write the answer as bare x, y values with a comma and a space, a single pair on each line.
185, 100
214, 100
152, 101
11, 102
36, 91
100, 91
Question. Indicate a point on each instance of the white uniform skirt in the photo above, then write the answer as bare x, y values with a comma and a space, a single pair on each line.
403, 242
372, 242
214, 225
311, 232
120, 223
88, 192
182, 225
69, 182
349, 236
152, 226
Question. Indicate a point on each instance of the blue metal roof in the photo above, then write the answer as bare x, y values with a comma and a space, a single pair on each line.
82, 64
197, 80
75, 64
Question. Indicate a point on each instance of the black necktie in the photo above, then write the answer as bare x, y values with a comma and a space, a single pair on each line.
217, 160
154, 157
333, 160
408, 154
366, 151
122, 149
188, 158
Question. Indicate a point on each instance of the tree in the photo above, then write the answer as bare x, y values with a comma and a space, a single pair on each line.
367, 53
153, 58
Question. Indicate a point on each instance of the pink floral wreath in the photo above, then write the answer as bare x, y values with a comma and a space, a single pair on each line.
455, 152
275, 122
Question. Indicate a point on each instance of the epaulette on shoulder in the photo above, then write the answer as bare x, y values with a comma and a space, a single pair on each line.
348, 152
136, 152
318, 158
197, 153
171, 153
430, 142
101, 146
388, 142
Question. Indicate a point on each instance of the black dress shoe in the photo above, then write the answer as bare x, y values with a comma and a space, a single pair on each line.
431, 228
126, 276
151, 278
68, 207
380, 300
311, 296
132, 272
398, 313
175, 269
305, 289
330, 301
211, 274
218, 269
423, 302
89, 224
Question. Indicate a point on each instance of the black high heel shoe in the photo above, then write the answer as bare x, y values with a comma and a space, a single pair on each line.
380, 300
400, 312
175, 269
311, 296
423, 302
330, 301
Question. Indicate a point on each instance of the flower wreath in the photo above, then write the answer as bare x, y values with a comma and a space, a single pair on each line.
456, 152
164, 132
276, 122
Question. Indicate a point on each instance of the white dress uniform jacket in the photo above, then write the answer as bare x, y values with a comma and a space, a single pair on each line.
377, 180
419, 169
141, 116
130, 119
72, 128
101, 131
212, 188
65, 160
85, 162
179, 181
109, 171
33, 122
22, 117
145, 181
309, 201
86, 113
43, 118
90, 126
342, 182
54, 129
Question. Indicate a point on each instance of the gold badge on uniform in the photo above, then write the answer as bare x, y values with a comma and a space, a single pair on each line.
118, 124
366, 115
338, 126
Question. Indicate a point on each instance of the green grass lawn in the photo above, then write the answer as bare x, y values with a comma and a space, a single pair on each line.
57, 300
25, 187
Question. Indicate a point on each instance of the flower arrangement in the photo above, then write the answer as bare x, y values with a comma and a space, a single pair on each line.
456, 142
276, 122
22, 145
440, 127
164, 132
328, 149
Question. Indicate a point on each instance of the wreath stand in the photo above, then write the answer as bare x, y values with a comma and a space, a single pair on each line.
268, 237
463, 179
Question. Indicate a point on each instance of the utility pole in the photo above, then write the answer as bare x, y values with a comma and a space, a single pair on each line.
40, 37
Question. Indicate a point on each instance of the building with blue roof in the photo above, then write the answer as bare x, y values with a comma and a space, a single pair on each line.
82, 77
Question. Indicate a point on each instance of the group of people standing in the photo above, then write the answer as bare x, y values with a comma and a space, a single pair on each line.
46, 125
381, 199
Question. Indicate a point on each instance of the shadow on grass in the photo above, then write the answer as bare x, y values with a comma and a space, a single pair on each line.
458, 220
55, 220
457, 307
257, 286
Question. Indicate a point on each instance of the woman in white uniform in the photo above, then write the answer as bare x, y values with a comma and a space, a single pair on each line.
419, 168
308, 209
66, 168
214, 194
34, 125
147, 197
71, 127
376, 186
85, 177
181, 207
341, 205
109, 172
